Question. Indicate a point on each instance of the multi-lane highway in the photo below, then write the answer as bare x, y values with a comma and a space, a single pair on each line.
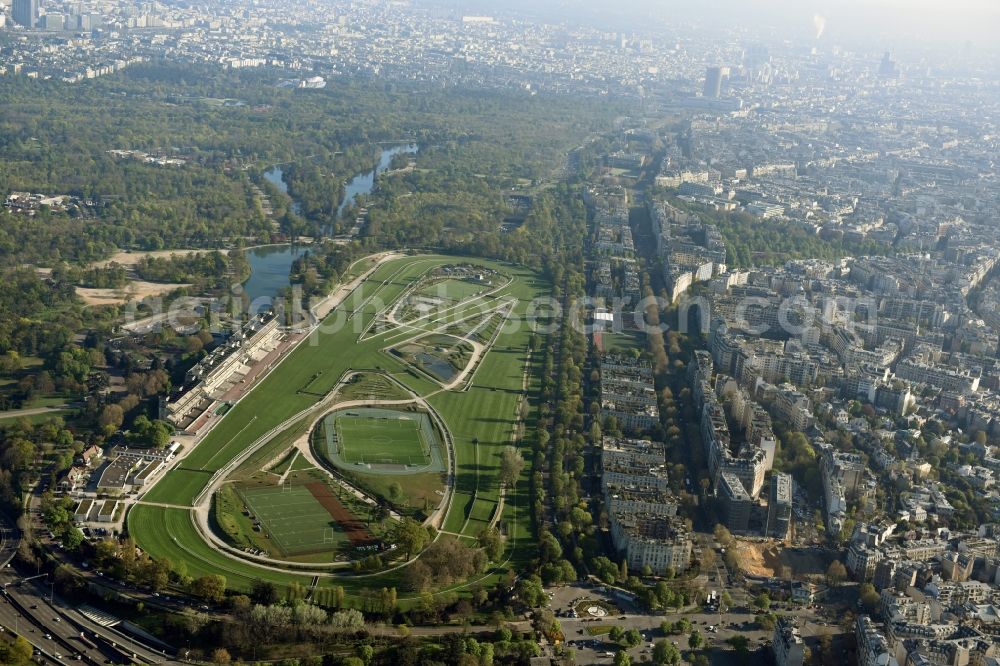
59, 632
10, 537
29, 608
27, 615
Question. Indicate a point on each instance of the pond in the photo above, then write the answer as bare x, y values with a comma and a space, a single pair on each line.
364, 183
270, 266
438, 367
276, 176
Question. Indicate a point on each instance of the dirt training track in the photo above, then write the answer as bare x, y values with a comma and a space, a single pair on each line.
353, 528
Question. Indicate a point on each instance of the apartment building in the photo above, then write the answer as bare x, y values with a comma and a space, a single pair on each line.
789, 648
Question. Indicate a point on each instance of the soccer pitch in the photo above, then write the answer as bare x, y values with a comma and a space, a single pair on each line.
294, 519
381, 440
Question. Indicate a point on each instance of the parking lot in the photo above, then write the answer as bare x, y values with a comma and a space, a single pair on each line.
588, 637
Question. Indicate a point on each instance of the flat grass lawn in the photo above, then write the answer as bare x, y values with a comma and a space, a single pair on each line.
285, 462
272, 401
421, 492
295, 521
624, 342
454, 290
371, 386
36, 419
180, 486
381, 440
169, 533
482, 422
301, 464
256, 461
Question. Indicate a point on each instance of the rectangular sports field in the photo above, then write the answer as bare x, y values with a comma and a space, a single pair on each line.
393, 441
299, 518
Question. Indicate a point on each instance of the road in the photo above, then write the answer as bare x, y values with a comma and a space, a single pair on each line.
9, 539
26, 613
29, 608
26, 608
50, 624
33, 411
12, 622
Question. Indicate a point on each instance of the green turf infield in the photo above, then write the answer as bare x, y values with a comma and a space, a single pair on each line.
454, 290
393, 440
293, 518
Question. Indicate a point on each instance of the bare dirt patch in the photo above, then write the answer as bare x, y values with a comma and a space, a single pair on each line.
773, 559
136, 290
751, 558
133, 258
353, 528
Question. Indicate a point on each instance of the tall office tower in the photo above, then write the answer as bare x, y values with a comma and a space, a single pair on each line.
25, 12
755, 56
887, 69
715, 77
757, 63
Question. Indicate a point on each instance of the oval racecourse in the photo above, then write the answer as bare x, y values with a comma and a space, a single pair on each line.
475, 412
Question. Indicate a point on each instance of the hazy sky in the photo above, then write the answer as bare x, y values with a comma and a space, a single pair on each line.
871, 20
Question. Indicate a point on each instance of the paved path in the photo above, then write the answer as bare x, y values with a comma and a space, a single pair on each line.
326, 306
288, 470
163, 505
203, 503
33, 411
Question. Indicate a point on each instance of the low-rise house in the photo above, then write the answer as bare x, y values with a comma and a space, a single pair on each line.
72, 479
90, 455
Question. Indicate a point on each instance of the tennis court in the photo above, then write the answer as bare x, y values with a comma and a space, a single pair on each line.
302, 519
387, 440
